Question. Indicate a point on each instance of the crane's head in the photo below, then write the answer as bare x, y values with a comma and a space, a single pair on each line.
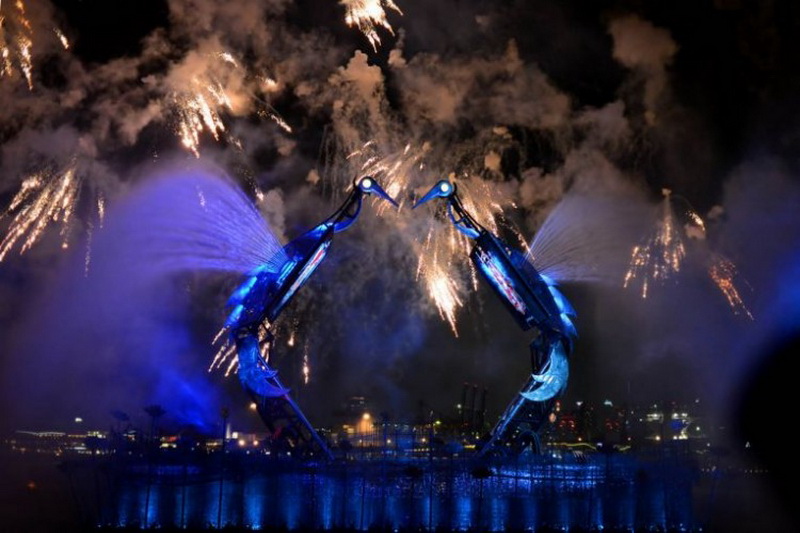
368, 185
443, 189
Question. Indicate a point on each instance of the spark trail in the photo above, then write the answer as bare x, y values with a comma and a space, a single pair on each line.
441, 280
62, 38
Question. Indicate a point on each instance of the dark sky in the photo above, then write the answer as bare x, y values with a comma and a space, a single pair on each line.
613, 99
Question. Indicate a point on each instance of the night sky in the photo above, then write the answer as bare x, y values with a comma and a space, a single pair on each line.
532, 100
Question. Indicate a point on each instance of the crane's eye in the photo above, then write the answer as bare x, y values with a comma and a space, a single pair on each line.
366, 183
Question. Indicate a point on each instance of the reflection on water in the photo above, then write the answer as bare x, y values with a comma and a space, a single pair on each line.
602, 491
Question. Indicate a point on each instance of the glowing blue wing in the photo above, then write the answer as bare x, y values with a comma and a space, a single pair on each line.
253, 373
553, 378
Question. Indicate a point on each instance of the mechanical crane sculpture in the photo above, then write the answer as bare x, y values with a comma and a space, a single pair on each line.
258, 302
535, 303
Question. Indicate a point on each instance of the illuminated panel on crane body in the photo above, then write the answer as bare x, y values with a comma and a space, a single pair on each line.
317, 249
490, 257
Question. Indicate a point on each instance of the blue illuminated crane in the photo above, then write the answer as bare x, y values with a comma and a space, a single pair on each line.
535, 303
259, 300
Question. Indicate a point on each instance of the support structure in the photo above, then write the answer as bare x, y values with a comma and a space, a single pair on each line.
289, 427
518, 427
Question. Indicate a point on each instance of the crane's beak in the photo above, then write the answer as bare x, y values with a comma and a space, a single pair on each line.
370, 186
443, 189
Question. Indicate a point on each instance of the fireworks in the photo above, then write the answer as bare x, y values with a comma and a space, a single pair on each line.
198, 112
395, 170
441, 256
723, 273
61, 38
227, 57
443, 264
368, 15
660, 256
225, 355
268, 112
444, 291
306, 368
226, 351
43, 198
90, 227
101, 208
485, 203
200, 106
435, 266
199, 100
16, 41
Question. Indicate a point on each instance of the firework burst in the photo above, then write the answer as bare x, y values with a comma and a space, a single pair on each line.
443, 266
201, 103
661, 255
396, 170
44, 197
368, 16
16, 41
724, 273
198, 111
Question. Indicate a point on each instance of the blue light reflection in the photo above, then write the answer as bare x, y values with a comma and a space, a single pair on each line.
592, 493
